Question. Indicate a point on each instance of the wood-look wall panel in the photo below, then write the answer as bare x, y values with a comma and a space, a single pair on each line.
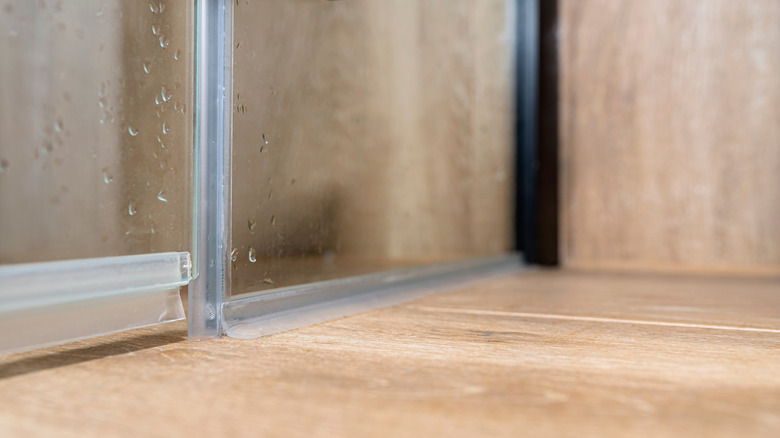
670, 133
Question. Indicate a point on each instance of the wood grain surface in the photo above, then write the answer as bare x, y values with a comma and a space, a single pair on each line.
532, 354
670, 130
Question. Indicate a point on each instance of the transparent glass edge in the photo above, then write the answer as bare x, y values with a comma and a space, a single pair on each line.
213, 36
195, 161
38, 285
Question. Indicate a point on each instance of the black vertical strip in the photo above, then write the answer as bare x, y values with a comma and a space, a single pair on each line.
525, 128
547, 180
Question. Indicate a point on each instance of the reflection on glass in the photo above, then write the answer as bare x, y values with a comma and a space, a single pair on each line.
95, 128
369, 136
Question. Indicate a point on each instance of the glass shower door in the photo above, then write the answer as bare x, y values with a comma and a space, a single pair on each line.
371, 142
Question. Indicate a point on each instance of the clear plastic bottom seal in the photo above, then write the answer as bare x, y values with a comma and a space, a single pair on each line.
49, 303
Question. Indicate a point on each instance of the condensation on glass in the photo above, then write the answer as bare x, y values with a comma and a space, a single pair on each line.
369, 136
95, 128
96, 166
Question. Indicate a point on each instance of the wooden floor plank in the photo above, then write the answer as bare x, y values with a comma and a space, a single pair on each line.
731, 301
413, 371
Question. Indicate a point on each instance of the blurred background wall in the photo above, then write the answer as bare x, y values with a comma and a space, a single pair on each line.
670, 135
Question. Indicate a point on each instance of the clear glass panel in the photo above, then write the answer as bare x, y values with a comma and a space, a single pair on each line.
369, 136
95, 128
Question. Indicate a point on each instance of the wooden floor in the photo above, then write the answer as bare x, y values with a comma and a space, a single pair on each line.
533, 354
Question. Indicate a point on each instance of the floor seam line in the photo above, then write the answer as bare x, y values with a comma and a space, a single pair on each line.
592, 319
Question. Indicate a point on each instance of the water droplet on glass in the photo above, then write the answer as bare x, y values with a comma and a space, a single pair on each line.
3, 166
156, 29
273, 220
265, 140
154, 8
164, 42
209, 312
58, 125
165, 128
147, 64
251, 224
132, 131
177, 54
234, 255
161, 7
156, 99
166, 96
130, 210
46, 148
107, 178
252, 255
161, 196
